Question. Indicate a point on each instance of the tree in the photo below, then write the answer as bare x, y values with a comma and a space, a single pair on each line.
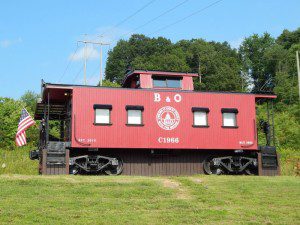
30, 99
117, 62
125, 52
220, 64
289, 38
10, 110
286, 84
252, 53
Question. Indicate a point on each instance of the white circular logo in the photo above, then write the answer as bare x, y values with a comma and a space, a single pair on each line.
167, 118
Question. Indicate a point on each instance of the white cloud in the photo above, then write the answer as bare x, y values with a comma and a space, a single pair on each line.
107, 35
7, 43
236, 43
91, 54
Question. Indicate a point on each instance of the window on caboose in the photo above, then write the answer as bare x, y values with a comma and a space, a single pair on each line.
102, 114
134, 115
166, 82
229, 117
200, 115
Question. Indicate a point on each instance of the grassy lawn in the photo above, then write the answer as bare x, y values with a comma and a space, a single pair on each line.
143, 200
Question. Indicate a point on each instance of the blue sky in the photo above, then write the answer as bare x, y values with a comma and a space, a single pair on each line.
37, 38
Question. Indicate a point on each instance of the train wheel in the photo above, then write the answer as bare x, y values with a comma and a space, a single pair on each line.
251, 171
115, 170
74, 170
210, 168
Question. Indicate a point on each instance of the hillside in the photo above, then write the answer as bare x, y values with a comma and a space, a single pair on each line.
143, 200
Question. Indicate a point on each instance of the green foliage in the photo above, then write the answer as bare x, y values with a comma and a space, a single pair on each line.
10, 110
287, 126
264, 58
217, 61
287, 129
289, 38
29, 99
108, 83
289, 161
219, 65
252, 52
286, 77
139, 48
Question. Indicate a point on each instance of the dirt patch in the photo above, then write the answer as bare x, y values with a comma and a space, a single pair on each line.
196, 180
170, 183
181, 191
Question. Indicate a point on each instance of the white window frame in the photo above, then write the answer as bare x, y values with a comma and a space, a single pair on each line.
129, 121
228, 114
197, 110
195, 120
136, 109
98, 108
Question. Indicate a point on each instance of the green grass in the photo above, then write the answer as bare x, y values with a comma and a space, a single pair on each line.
16, 161
31, 199
149, 200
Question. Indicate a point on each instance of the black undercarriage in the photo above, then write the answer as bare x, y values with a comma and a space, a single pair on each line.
96, 164
112, 161
232, 164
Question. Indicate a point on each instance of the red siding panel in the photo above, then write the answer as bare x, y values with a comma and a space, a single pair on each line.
118, 135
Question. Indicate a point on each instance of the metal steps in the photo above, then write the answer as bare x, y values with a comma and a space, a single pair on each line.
56, 158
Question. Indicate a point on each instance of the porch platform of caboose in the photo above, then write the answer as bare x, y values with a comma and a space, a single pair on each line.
53, 102
53, 109
55, 105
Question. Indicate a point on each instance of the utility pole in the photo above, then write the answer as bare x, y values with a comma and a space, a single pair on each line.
85, 63
298, 69
199, 71
85, 57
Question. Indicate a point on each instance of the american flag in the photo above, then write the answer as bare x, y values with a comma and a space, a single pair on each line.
25, 122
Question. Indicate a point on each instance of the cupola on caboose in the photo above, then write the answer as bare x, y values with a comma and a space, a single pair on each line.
155, 124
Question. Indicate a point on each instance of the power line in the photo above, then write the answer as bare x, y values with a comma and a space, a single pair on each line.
186, 17
94, 74
81, 68
115, 26
69, 63
85, 58
157, 17
128, 17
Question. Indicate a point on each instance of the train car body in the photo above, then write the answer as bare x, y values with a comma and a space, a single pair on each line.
156, 124
155, 132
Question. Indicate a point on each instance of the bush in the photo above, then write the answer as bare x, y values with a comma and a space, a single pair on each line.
289, 161
17, 161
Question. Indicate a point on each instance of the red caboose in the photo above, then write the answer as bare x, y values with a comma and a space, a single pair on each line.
156, 124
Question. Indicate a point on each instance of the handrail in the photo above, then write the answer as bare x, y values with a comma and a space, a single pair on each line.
79, 142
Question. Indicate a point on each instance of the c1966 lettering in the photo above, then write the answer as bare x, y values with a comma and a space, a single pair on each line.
168, 140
